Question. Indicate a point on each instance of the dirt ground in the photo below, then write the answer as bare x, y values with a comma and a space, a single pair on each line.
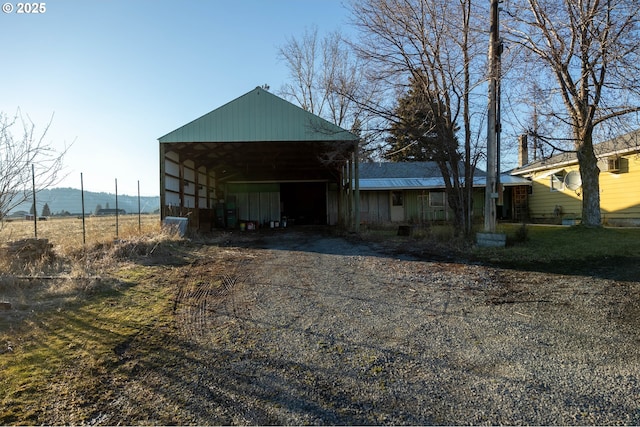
304, 327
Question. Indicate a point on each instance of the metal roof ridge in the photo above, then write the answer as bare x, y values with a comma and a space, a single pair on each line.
282, 119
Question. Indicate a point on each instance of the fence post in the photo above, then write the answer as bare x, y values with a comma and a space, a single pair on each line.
35, 208
84, 230
139, 217
116, 208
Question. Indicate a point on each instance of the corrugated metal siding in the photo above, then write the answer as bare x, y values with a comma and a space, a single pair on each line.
332, 205
258, 116
253, 187
419, 209
375, 207
412, 206
478, 204
256, 201
260, 207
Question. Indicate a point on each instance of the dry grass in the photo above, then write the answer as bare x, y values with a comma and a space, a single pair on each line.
72, 269
66, 233
69, 252
71, 308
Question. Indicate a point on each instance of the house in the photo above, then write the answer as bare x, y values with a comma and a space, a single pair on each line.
106, 211
254, 160
415, 192
556, 191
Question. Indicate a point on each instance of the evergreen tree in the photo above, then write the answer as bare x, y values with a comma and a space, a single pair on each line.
420, 132
46, 211
423, 131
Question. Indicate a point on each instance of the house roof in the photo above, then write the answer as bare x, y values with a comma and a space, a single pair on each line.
417, 176
627, 143
258, 116
401, 175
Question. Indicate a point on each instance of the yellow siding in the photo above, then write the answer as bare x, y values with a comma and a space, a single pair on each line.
620, 192
619, 196
552, 206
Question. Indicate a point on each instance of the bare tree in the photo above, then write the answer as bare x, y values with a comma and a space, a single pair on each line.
20, 155
584, 57
431, 42
327, 79
301, 58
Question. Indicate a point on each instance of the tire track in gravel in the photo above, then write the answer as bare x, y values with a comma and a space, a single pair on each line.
388, 339
207, 298
315, 329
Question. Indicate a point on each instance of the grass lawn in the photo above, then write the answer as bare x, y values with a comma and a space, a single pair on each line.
604, 252
76, 343
613, 252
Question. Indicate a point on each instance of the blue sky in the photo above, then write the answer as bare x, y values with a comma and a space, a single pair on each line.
118, 74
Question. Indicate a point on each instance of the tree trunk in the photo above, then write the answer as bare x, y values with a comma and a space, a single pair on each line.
590, 174
458, 211
454, 192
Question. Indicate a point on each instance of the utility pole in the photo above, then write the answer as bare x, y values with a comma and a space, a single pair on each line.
493, 120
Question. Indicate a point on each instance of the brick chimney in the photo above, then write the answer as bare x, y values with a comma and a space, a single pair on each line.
523, 150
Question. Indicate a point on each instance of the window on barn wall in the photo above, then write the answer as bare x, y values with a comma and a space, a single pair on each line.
396, 198
436, 199
437, 205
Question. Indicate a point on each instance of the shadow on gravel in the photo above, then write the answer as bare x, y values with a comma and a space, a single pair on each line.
326, 240
619, 268
166, 379
319, 239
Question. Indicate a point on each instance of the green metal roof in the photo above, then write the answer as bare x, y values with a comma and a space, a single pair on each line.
258, 116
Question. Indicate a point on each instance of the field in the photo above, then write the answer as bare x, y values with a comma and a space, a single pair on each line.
66, 233
307, 326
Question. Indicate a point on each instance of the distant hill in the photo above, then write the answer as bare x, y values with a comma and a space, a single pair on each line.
70, 200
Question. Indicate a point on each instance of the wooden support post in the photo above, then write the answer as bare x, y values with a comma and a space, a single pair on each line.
163, 187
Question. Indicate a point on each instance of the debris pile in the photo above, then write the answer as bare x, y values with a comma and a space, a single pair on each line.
29, 249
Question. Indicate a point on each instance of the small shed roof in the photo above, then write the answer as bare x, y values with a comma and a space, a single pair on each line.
417, 176
380, 170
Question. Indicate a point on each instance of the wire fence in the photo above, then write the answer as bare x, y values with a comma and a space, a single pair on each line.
77, 217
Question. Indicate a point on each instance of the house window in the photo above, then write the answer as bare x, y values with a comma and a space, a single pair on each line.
436, 199
396, 198
557, 182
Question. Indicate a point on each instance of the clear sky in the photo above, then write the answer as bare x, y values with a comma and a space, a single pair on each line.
118, 74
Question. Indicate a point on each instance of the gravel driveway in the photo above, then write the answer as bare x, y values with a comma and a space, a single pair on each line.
310, 328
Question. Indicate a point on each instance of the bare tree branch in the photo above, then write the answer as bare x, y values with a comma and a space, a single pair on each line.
18, 154
589, 49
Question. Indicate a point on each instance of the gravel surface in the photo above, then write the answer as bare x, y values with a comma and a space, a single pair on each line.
310, 328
